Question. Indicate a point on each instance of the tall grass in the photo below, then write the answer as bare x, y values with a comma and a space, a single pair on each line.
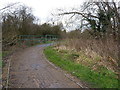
105, 48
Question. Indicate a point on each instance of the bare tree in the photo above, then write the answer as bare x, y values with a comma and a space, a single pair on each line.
102, 17
16, 22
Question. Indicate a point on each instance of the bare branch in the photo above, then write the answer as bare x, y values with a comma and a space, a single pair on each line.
9, 6
79, 13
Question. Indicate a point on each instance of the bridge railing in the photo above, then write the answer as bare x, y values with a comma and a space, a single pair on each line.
36, 39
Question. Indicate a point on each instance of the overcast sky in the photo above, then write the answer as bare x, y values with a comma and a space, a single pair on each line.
43, 8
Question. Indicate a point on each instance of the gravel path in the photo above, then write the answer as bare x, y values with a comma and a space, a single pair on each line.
30, 69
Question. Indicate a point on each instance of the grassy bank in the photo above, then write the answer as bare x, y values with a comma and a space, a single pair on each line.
96, 79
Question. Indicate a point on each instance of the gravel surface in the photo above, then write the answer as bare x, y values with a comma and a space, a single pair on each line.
30, 69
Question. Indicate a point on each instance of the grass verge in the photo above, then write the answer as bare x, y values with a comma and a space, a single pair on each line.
97, 80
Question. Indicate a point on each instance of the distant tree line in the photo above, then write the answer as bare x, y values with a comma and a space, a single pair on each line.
21, 21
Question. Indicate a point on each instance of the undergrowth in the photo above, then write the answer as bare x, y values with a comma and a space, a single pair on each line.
103, 79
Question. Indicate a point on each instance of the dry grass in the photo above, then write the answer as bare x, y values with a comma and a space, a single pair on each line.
100, 52
66, 59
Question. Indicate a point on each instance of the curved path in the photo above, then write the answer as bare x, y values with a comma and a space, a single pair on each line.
30, 69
